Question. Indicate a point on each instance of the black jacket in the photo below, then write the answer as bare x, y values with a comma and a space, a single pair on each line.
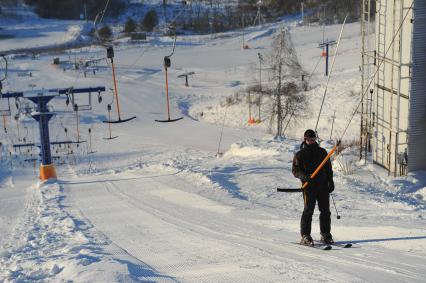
306, 160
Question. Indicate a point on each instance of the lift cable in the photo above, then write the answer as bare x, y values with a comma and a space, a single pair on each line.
331, 71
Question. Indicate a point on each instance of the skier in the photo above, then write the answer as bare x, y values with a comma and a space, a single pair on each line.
305, 161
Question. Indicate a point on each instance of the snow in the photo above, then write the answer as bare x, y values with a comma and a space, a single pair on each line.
157, 205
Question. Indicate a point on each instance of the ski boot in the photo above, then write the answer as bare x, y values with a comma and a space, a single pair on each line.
307, 240
327, 239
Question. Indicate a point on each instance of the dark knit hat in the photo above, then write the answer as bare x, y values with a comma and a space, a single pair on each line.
309, 134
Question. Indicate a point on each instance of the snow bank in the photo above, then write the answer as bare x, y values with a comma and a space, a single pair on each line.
53, 245
249, 151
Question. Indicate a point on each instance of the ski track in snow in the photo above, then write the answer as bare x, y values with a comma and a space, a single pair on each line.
164, 223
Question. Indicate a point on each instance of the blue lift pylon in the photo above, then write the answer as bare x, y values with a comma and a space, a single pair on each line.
42, 116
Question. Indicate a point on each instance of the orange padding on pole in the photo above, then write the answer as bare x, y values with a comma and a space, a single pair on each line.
321, 165
47, 172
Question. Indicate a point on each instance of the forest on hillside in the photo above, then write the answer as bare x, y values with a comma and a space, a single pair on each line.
202, 15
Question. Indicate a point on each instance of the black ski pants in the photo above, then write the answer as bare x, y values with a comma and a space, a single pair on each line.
311, 196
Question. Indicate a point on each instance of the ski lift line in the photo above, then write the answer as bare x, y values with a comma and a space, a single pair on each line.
377, 69
115, 88
95, 27
174, 46
110, 55
103, 12
221, 131
77, 120
179, 14
109, 125
331, 71
167, 94
174, 30
167, 64
138, 58
316, 66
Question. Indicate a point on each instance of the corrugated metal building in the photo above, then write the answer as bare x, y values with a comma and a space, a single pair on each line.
394, 107
417, 117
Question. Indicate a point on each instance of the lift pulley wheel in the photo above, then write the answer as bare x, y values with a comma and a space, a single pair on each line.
110, 52
167, 62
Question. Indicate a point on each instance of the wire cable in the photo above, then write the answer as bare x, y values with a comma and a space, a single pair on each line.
377, 70
331, 71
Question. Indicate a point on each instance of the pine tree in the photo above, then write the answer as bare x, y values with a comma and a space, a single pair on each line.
130, 26
150, 20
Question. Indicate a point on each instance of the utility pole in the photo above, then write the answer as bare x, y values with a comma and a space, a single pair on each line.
303, 18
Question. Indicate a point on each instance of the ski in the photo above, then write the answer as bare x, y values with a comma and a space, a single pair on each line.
318, 247
340, 245
343, 245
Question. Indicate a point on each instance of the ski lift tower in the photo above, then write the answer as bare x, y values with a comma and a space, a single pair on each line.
186, 75
326, 45
42, 115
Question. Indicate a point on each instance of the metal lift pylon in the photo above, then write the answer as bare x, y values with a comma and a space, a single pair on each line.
42, 115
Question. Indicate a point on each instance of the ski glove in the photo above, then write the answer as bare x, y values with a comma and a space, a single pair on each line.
305, 178
330, 186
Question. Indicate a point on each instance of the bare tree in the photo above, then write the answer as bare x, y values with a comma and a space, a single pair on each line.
285, 70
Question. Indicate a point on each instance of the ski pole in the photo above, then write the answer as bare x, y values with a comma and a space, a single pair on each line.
335, 208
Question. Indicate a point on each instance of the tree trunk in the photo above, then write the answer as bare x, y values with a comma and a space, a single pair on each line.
279, 104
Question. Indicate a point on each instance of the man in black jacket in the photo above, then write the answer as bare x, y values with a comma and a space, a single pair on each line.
306, 160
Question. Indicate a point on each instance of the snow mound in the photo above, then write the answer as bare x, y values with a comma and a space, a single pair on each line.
421, 194
249, 151
53, 245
